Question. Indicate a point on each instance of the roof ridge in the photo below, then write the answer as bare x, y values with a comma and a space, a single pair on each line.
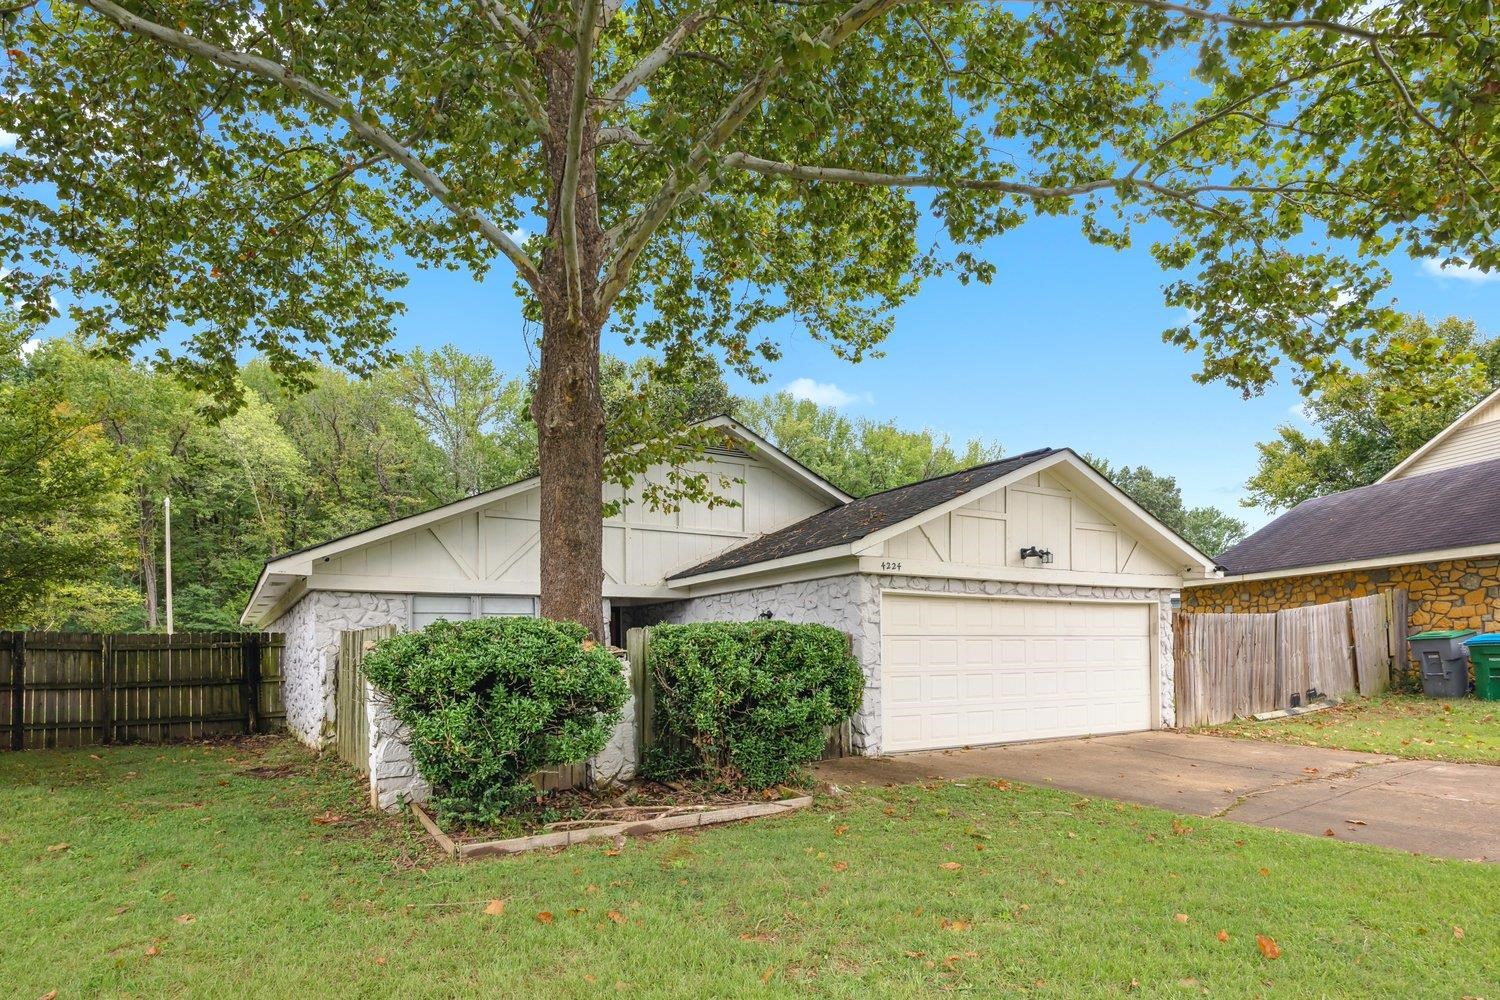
955, 472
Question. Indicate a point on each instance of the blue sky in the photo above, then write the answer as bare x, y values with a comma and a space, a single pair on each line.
1063, 349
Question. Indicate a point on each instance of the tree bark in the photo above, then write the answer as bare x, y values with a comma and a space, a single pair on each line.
568, 408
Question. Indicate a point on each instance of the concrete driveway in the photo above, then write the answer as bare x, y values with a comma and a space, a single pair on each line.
1427, 807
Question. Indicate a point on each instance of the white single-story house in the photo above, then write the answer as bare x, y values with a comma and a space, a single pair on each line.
1023, 599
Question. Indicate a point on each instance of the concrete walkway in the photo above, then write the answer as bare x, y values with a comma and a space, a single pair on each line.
1427, 807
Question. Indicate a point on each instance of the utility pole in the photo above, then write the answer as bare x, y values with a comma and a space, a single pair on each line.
166, 509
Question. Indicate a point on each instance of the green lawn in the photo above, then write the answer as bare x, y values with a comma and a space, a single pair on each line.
185, 875
1401, 725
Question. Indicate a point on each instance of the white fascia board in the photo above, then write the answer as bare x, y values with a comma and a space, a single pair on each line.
822, 569
1018, 574
784, 462
1438, 438
766, 566
1378, 562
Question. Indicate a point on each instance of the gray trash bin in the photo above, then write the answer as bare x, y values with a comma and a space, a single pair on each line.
1444, 661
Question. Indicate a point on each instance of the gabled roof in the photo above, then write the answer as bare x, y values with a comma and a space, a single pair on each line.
281, 571
858, 518
1449, 509
1439, 438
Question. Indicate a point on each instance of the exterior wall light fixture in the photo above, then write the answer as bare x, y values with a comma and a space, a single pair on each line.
1032, 552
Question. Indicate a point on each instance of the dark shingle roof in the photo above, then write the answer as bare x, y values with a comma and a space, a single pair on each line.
1449, 509
861, 517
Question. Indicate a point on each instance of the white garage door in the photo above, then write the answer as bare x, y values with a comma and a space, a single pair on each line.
960, 671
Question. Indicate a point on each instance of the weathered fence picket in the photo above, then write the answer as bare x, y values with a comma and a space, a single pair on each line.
1236, 665
70, 689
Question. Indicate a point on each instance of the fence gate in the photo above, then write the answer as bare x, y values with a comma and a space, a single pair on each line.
351, 720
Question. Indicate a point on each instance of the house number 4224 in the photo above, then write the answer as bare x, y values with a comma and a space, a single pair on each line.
896, 566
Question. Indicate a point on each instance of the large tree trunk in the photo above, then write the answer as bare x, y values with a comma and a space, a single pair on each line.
568, 408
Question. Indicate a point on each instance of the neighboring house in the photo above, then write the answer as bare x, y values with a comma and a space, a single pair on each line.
1430, 526
1022, 599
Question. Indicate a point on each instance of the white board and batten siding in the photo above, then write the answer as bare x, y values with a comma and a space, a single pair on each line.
1042, 511
495, 549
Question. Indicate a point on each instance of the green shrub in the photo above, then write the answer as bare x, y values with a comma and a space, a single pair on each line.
747, 703
488, 702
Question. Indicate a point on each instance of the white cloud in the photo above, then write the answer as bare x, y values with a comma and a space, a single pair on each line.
1459, 272
518, 235
28, 348
8, 140
825, 393
1298, 411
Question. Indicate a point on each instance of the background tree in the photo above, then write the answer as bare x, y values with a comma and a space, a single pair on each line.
245, 172
1413, 382
860, 456
1208, 529
60, 491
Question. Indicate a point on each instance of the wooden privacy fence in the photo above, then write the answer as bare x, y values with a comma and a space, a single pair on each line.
351, 717
1237, 665
72, 689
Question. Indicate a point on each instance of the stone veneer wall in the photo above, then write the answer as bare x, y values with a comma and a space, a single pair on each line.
851, 603
309, 660
1459, 593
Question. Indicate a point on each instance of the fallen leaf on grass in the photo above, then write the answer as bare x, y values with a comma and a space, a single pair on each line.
153, 951
1265, 871
765, 977
185, 918
380, 959
495, 907
54, 848
327, 818
1223, 935
49, 995
955, 925
1329, 832
544, 917
1458, 933
1267, 946
841, 829
615, 916
951, 866
1000, 785
839, 866
1181, 918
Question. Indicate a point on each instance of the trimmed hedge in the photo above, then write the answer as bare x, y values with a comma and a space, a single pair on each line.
747, 703
489, 702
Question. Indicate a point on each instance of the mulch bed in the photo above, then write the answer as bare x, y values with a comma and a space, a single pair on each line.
563, 818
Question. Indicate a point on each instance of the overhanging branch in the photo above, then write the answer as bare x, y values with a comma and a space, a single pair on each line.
266, 69
657, 57
700, 161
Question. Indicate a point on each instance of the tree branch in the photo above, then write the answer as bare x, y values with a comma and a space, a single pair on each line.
657, 57
612, 134
502, 17
1293, 24
242, 62
567, 210
1425, 119
701, 159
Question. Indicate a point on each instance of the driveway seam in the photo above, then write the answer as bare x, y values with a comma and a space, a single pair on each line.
1311, 779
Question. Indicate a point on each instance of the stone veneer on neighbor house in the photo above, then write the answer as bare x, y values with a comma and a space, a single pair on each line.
1460, 593
851, 603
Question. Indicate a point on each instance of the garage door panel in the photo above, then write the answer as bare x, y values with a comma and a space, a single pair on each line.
968, 671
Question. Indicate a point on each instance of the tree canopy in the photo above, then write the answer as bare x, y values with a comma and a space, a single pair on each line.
229, 174
1364, 420
1209, 529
